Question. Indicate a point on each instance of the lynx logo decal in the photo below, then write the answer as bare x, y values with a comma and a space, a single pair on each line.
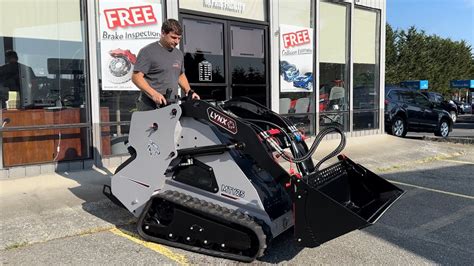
222, 120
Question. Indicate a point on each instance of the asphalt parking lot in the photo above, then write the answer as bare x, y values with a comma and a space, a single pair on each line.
64, 219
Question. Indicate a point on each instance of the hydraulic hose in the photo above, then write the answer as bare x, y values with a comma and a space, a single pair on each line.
333, 127
317, 141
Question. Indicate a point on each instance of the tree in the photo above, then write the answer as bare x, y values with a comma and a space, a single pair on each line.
390, 56
414, 55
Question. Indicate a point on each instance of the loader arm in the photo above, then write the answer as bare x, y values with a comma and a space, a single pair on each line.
237, 130
247, 108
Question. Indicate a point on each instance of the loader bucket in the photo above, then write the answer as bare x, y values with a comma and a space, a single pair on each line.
339, 199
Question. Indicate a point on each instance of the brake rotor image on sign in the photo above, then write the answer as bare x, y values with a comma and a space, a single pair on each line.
125, 28
296, 59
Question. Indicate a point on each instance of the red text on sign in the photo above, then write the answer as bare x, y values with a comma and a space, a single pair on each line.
296, 38
134, 16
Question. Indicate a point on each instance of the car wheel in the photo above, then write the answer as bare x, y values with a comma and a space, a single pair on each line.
454, 116
443, 129
399, 127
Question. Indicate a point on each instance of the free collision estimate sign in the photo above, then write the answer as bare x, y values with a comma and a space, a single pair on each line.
292, 39
296, 58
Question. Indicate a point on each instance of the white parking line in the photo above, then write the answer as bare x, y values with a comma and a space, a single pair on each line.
434, 190
177, 257
456, 161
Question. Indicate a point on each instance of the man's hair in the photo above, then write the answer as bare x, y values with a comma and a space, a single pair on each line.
11, 54
171, 25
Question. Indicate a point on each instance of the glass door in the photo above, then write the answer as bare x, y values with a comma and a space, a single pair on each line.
225, 59
203, 47
248, 62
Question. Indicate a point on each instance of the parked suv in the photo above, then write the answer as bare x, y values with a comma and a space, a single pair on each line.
409, 110
463, 108
438, 99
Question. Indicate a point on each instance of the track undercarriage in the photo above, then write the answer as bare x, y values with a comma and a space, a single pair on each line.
179, 220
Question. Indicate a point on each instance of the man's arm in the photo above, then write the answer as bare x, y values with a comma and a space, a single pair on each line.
184, 84
139, 81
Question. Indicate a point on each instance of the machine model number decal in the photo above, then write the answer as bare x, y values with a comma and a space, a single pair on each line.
222, 120
233, 191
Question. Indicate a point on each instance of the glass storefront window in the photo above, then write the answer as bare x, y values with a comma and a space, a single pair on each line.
203, 54
333, 73
366, 69
247, 63
297, 98
203, 48
42, 80
118, 95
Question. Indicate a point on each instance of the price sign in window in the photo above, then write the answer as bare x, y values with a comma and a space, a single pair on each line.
205, 71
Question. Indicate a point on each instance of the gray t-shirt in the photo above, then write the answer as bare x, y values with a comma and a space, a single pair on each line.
161, 67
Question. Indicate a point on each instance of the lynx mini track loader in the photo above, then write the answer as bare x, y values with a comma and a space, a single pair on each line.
203, 177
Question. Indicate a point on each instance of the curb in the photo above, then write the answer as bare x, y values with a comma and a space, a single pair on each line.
459, 140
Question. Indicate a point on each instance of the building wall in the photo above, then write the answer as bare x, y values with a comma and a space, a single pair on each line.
274, 16
380, 4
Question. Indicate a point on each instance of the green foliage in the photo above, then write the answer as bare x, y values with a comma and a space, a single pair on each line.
413, 55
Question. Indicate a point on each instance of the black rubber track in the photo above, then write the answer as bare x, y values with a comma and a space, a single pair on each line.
209, 211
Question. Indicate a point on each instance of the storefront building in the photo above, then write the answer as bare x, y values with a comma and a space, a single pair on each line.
65, 67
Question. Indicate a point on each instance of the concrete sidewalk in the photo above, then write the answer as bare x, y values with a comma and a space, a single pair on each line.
42, 208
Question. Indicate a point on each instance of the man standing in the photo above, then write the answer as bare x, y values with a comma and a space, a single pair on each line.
15, 76
160, 66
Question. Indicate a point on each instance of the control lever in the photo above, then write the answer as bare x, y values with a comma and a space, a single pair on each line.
189, 97
167, 97
170, 101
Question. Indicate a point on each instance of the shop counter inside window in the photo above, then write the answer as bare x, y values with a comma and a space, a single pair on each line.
44, 144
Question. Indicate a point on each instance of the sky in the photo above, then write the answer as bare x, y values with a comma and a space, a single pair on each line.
452, 19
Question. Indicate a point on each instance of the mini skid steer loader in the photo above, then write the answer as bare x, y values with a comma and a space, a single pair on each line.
203, 177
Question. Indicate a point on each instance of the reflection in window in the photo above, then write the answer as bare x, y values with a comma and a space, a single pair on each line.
334, 88
203, 49
39, 77
116, 106
248, 70
365, 94
247, 63
333, 95
366, 69
248, 78
42, 81
299, 107
197, 64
